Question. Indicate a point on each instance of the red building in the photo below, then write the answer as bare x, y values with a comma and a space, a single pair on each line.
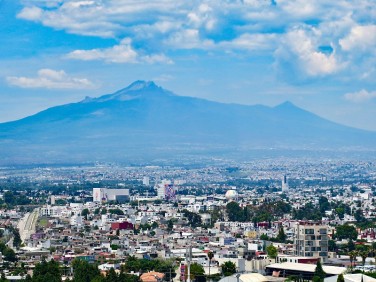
121, 226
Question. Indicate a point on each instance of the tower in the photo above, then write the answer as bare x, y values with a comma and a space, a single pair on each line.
285, 184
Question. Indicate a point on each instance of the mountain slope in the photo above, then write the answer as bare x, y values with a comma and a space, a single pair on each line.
144, 120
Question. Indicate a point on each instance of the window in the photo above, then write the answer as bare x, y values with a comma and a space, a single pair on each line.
309, 231
323, 231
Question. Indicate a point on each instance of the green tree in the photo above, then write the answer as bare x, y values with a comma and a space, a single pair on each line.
271, 251
116, 211
235, 212
170, 225
319, 272
359, 217
281, 237
83, 271
47, 271
194, 219
352, 254
341, 278
112, 276
166, 267
228, 268
332, 246
85, 213
196, 271
3, 278
125, 277
351, 245
364, 255
346, 232
9, 254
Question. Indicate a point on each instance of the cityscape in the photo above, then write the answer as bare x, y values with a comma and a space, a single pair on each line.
153, 223
187, 141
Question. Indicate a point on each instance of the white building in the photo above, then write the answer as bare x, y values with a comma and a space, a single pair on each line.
105, 194
146, 181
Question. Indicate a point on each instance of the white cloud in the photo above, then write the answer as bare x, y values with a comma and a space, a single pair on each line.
31, 13
248, 41
360, 38
52, 79
360, 96
302, 45
188, 39
122, 53
237, 26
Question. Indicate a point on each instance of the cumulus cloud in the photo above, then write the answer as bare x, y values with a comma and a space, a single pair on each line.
52, 79
122, 53
272, 27
300, 48
360, 38
360, 96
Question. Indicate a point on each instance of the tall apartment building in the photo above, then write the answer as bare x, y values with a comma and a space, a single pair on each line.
311, 240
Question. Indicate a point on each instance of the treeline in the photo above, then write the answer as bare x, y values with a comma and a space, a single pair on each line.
267, 211
87, 272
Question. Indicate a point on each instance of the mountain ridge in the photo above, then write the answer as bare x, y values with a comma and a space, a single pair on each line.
144, 119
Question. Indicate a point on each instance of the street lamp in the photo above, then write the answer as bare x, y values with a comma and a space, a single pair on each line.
237, 277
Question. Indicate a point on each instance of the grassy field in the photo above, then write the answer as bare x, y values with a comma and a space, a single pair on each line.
42, 222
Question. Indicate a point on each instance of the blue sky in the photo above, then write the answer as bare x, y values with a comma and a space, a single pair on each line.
320, 55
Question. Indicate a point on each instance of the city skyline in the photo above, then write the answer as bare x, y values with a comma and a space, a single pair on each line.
320, 56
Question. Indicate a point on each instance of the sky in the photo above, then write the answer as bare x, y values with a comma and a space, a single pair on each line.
320, 55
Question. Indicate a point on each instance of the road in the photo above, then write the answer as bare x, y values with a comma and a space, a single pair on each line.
27, 224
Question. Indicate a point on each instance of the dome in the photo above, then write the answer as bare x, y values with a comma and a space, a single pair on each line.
231, 194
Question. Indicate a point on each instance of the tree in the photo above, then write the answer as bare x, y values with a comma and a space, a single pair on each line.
9, 254
351, 245
83, 271
47, 271
16, 238
340, 278
193, 218
332, 246
346, 232
116, 211
210, 257
196, 271
170, 225
85, 213
271, 251
166, 267
364, 255
319, 272
352, 255
228, 268
111, 276
125, 277
235, 212
359, 217
281, 237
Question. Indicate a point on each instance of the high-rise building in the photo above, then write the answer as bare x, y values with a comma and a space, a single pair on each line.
166, 190
285, 184
311, 240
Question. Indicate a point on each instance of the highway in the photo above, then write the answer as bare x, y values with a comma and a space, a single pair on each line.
27, 224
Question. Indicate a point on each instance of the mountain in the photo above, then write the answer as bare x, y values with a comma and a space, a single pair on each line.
145, 121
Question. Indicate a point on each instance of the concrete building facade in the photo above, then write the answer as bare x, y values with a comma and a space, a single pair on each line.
311, 240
